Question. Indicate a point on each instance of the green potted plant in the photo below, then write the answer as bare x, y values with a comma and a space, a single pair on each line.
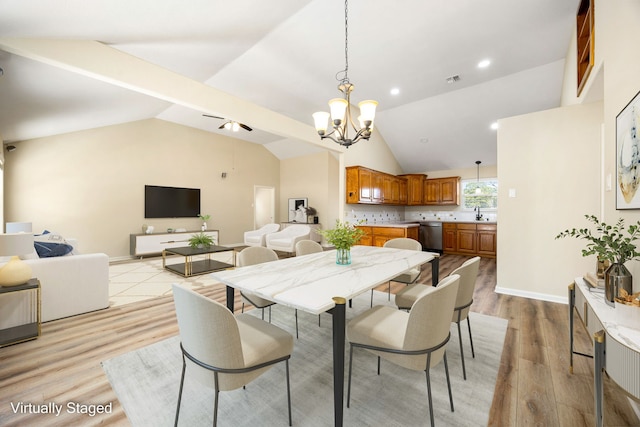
610, 243
343, 237
201, 240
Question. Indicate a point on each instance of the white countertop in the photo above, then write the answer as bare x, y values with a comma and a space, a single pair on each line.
389, 224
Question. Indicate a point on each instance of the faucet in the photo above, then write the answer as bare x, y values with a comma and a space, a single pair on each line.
478, 214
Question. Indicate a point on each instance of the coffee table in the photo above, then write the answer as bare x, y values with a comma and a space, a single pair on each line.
202, 266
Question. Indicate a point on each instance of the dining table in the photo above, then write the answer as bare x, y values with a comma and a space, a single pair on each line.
315, 283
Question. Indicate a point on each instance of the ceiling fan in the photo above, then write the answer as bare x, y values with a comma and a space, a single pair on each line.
230, 124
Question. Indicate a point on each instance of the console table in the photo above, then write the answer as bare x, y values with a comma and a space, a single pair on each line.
616, 348
155, 243
27, 296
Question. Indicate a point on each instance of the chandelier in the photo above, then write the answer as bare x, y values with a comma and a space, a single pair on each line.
341, 107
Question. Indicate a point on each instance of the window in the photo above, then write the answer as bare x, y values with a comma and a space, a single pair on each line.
483, 193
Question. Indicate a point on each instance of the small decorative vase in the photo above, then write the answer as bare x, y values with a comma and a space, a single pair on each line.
343, 256
204, 226
616, 277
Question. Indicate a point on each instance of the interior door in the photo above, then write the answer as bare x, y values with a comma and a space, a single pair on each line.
264, 210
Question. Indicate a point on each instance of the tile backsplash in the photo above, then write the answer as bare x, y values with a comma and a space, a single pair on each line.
376, 214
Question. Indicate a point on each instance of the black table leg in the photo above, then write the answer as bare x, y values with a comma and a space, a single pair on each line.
339, 323
230, 297
435, 270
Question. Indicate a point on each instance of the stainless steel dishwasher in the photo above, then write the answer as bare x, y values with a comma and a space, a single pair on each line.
430, 236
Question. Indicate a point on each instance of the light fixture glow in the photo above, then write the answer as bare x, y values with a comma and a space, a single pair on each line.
484, 63
395, 91
494, 126
341, 107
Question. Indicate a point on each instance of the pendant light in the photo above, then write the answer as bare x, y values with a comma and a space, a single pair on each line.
341, 107
478, 192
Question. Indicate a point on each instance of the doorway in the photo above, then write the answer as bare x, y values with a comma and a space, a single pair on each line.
264, 209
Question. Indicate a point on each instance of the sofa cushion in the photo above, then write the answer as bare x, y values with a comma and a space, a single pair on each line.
50, 244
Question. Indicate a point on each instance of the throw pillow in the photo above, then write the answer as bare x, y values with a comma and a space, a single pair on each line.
49, 245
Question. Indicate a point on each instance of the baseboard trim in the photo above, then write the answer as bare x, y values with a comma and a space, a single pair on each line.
532, 295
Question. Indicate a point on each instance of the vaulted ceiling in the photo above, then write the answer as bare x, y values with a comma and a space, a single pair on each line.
284, 56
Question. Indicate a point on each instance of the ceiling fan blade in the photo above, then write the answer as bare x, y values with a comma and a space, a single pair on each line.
222, 126
214, 117
245, 127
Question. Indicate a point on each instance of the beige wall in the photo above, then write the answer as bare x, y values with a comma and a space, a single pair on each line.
544, 156
310, 177
90, 184
551, 160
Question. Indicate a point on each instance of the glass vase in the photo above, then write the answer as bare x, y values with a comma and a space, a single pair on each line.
343, 256
616, 277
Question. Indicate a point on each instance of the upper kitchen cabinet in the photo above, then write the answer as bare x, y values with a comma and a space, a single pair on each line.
585, 42
442, 191
368, 186
415, 188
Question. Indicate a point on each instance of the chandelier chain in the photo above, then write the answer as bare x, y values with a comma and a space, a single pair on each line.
345, 73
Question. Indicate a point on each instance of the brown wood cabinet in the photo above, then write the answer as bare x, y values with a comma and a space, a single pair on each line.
415, 188
585, 42
470, 239
377, 236
368, 186
487, 236
442, 191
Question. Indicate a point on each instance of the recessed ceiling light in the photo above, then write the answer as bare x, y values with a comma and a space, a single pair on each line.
424, 140
395, 91
484, 63
494, 125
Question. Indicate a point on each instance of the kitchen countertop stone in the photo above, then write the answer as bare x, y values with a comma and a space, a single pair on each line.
390, 224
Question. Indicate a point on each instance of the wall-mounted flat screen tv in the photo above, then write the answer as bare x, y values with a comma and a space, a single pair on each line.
171, 202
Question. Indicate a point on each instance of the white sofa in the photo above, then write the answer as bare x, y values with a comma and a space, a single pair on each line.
257, 237
70, 285
286, 239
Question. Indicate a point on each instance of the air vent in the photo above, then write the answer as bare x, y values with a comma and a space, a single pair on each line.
453, 79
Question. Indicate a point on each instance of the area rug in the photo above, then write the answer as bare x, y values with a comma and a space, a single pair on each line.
146, 382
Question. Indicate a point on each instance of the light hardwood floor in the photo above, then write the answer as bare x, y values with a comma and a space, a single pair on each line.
534, 386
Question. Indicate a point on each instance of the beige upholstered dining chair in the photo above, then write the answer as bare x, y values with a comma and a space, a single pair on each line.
306, 247
409, 276
251, 256
415, 340
257, 255
230, 351
468, 273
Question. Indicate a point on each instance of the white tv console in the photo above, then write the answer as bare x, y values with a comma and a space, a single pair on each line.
155, 243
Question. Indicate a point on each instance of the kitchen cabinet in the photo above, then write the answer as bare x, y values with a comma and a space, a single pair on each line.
487, 236
584, 42
442, 191
475, 239
379, 235
415, 188
368, 186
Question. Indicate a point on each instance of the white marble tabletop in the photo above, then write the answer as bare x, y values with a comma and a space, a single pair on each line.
608, 316
310, 282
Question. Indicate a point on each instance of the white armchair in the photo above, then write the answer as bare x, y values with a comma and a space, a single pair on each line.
286, 239
257, 237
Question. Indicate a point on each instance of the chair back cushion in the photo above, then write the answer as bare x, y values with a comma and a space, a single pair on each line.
208, 331
429, 321
468, 273
403, 243
305, 247
256, 255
